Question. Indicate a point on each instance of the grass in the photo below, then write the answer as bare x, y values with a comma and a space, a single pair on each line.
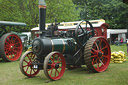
116, 74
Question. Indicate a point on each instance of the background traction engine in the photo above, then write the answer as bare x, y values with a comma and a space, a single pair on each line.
54, 52
10, 41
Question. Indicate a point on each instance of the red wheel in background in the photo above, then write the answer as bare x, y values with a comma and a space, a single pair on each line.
26, 66
97, 54
54, 65
10, 47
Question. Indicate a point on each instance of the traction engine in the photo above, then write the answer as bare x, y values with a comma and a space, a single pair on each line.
10, 41
54, 50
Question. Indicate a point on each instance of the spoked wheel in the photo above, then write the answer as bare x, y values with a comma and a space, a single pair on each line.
26, 66
54, 65
97, 54
10, 47
84, 31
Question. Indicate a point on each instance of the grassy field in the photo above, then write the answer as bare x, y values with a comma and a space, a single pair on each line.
116, 74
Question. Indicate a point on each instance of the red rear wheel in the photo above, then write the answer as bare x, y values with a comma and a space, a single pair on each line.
26, 66
10, 47
54, 65
97, 54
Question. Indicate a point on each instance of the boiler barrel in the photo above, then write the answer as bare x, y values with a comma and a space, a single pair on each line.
67, 45
47, 45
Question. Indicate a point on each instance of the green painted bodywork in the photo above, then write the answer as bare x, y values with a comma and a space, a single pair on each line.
63, 46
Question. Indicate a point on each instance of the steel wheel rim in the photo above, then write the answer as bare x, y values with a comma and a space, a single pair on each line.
100, 54
26, 66
13, 47
54, 66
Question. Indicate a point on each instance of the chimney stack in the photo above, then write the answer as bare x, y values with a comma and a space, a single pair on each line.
42, 17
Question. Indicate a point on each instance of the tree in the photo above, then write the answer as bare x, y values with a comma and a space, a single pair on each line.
113, 11
20, 11
27, 11
63, 10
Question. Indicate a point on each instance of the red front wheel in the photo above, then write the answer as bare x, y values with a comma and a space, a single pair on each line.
10, 47
26, 66
54, 65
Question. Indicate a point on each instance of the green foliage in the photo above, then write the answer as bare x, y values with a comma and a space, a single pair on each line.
63, 10
113, 11
20, 11
27, 11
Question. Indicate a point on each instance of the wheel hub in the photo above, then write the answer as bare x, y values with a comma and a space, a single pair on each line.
56, 66
100, 54
11, 46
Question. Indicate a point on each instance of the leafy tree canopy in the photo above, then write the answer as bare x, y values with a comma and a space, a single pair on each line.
27, 11
115, 12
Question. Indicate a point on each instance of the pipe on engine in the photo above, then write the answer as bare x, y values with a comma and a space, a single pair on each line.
42, 17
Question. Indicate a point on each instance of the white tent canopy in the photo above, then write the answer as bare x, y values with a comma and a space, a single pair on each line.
115, 31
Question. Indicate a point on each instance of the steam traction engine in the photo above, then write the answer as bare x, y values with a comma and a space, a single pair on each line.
10, 42
53, 51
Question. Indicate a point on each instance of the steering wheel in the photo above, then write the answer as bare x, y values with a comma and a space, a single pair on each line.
82, 34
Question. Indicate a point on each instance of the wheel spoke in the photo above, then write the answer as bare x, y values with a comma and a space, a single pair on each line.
50, 69
104, 48
95, 61
97, 65
101, 62
26, 61
17, 43
105, 56
100, 44
34, 70
93, 56
51, 72
94, 50
51, 59
25, 66
27, 69
88, 32
29, 58
81, 35
7, 43
81, 28
58, 61
57, 71
96, 46
30, 71
7, 51
7, 46
11, 39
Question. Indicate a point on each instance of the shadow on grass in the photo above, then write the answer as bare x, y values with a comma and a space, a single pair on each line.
81, 70
38, 78
2, 61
